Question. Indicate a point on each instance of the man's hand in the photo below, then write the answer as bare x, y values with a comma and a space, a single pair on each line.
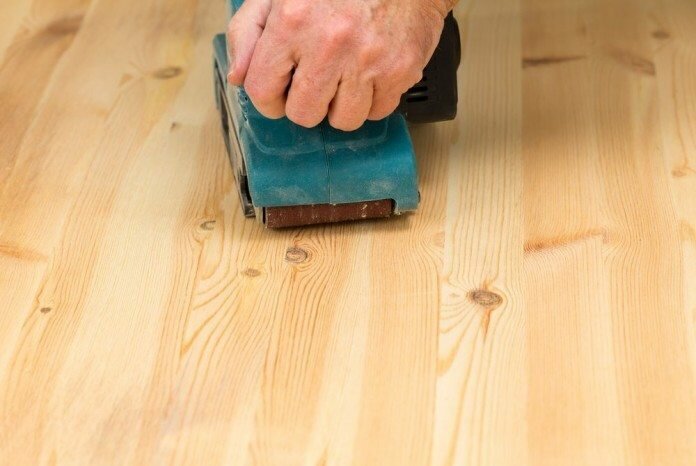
349, 59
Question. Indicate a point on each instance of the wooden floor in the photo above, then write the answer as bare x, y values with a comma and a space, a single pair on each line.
539, 309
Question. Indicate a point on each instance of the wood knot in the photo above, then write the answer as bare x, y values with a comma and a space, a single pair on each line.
681, 172
174, 126
531, 62
168, 72
208, 226
634, 62
249, 272
439, 239
688, 233
45, 310
65, 26
660, 34
125, 79
486, 298
296, 255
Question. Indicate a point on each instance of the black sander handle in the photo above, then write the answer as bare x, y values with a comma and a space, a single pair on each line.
435, 97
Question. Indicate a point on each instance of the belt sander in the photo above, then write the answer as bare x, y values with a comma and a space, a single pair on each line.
288, 175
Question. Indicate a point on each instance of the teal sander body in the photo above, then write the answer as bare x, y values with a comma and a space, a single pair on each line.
288, 175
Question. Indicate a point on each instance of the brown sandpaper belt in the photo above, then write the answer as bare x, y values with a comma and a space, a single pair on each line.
293, 216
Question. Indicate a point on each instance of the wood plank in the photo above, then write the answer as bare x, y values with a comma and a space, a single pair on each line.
481, 387
573, 414
13, 15
60, 211
674, 42
540, 308
602, 164
645, 315
34, 53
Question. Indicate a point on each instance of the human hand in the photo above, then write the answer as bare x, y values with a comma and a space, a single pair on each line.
349, 59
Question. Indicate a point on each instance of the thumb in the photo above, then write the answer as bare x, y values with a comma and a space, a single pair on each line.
243, 32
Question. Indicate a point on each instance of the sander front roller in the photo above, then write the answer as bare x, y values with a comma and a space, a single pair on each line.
290, 176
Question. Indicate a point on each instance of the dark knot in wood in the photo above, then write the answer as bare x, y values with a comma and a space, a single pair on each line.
486, 298
208, 225
168, 72
296, 255
249, 272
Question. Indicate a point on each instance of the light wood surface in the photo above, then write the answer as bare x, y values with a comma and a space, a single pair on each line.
539, 309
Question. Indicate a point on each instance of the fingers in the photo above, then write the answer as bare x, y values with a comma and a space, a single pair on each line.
351, 106
308, 59
312, 90
243, 33
386, 99
269, 75
384, 103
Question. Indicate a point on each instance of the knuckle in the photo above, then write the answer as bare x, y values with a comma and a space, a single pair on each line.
405, 74
337, 33
303, 84
369, 55
294, 14
400, 74
342, 29
409, 66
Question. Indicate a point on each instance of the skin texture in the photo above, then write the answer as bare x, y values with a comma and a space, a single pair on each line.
348, 59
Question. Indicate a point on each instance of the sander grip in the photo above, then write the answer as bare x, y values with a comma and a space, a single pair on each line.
435, 97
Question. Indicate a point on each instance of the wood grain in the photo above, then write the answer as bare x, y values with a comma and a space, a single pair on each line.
540, 308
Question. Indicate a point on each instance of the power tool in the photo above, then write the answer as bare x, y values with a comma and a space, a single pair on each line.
289, 176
